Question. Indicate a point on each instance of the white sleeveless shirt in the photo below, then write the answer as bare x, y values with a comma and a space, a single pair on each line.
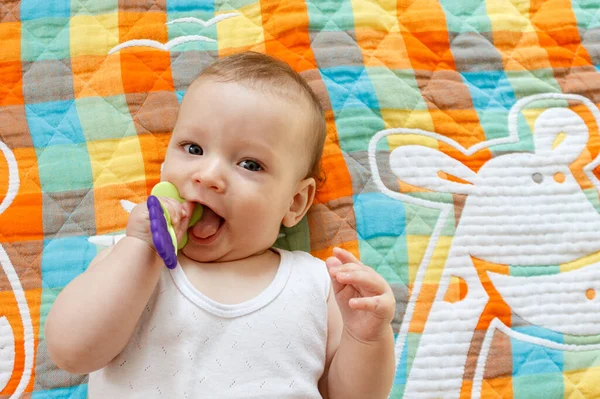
188, 346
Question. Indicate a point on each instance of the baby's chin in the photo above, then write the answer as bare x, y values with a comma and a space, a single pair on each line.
209, 255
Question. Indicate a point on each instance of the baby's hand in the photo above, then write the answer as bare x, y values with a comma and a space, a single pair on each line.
138, 224
364, 297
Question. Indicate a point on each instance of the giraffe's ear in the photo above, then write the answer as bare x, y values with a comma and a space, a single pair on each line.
428, 168
560, 135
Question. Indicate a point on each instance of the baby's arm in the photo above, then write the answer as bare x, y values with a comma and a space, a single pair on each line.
95, 315
361, 341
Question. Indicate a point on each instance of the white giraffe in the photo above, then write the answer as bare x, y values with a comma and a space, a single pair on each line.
518, 208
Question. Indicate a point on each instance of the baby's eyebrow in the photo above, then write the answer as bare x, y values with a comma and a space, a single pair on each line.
257, 145
190, 131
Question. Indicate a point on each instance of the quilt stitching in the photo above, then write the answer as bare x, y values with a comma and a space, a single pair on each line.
9, 11
567, 50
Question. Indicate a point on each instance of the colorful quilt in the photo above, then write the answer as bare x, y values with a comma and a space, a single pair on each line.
462, 164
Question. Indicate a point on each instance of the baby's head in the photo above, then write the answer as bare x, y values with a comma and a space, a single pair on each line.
247, 145
270, 76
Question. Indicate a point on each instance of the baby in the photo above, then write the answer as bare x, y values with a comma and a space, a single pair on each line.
236, 318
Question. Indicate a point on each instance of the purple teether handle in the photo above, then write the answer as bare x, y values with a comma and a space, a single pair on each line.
160, 235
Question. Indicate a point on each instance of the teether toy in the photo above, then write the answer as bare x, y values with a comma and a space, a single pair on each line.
163, 233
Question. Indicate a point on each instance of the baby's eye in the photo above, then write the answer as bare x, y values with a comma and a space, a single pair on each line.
193, 149
252, 166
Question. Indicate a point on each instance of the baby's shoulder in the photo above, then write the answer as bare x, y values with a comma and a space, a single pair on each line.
304, 261
309, 269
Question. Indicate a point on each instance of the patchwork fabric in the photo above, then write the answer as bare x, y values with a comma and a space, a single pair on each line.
461, 158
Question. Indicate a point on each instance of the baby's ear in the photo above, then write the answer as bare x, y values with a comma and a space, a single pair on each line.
300, 203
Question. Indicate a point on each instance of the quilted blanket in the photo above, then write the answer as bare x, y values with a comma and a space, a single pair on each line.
461, 158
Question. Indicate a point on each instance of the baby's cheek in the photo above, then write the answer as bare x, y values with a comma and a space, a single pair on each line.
262, 222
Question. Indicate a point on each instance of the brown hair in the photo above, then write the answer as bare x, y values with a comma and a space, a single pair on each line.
270, 74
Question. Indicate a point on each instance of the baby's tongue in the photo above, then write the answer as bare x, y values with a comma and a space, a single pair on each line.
208, 224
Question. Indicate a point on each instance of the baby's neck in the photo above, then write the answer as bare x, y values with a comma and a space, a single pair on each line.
233, 281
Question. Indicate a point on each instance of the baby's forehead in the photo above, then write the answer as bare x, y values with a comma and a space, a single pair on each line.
292, 112
293, 103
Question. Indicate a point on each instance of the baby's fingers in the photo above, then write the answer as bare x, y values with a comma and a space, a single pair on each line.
365, 280
344, 256
371, 304
332, 265
175, 212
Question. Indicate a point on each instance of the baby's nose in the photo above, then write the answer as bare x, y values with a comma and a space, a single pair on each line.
211, 177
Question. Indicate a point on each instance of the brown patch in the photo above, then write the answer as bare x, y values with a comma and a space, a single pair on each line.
313, 78
26, 258
10, 11
582, 80
14, 130
444, 90
154, 112
459, 204
501, 354
332, 223
142, 5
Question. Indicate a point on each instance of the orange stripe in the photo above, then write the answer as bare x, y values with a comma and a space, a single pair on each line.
382, 48
11, 86
143, 25
24, 215
285, 25
556, 27
110, 215
427, 49
520, 51
3, 179
423, 306
338, 181
350, 246
95, 75
144, 69
493, 388
154, 148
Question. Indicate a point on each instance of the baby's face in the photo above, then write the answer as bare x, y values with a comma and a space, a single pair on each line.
241, 153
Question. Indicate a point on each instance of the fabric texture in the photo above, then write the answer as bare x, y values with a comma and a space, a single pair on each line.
461, 161
187, 345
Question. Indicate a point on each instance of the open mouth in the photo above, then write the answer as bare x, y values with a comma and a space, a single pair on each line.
208, 226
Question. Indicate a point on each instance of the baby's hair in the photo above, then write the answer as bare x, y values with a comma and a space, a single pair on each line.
263, 72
